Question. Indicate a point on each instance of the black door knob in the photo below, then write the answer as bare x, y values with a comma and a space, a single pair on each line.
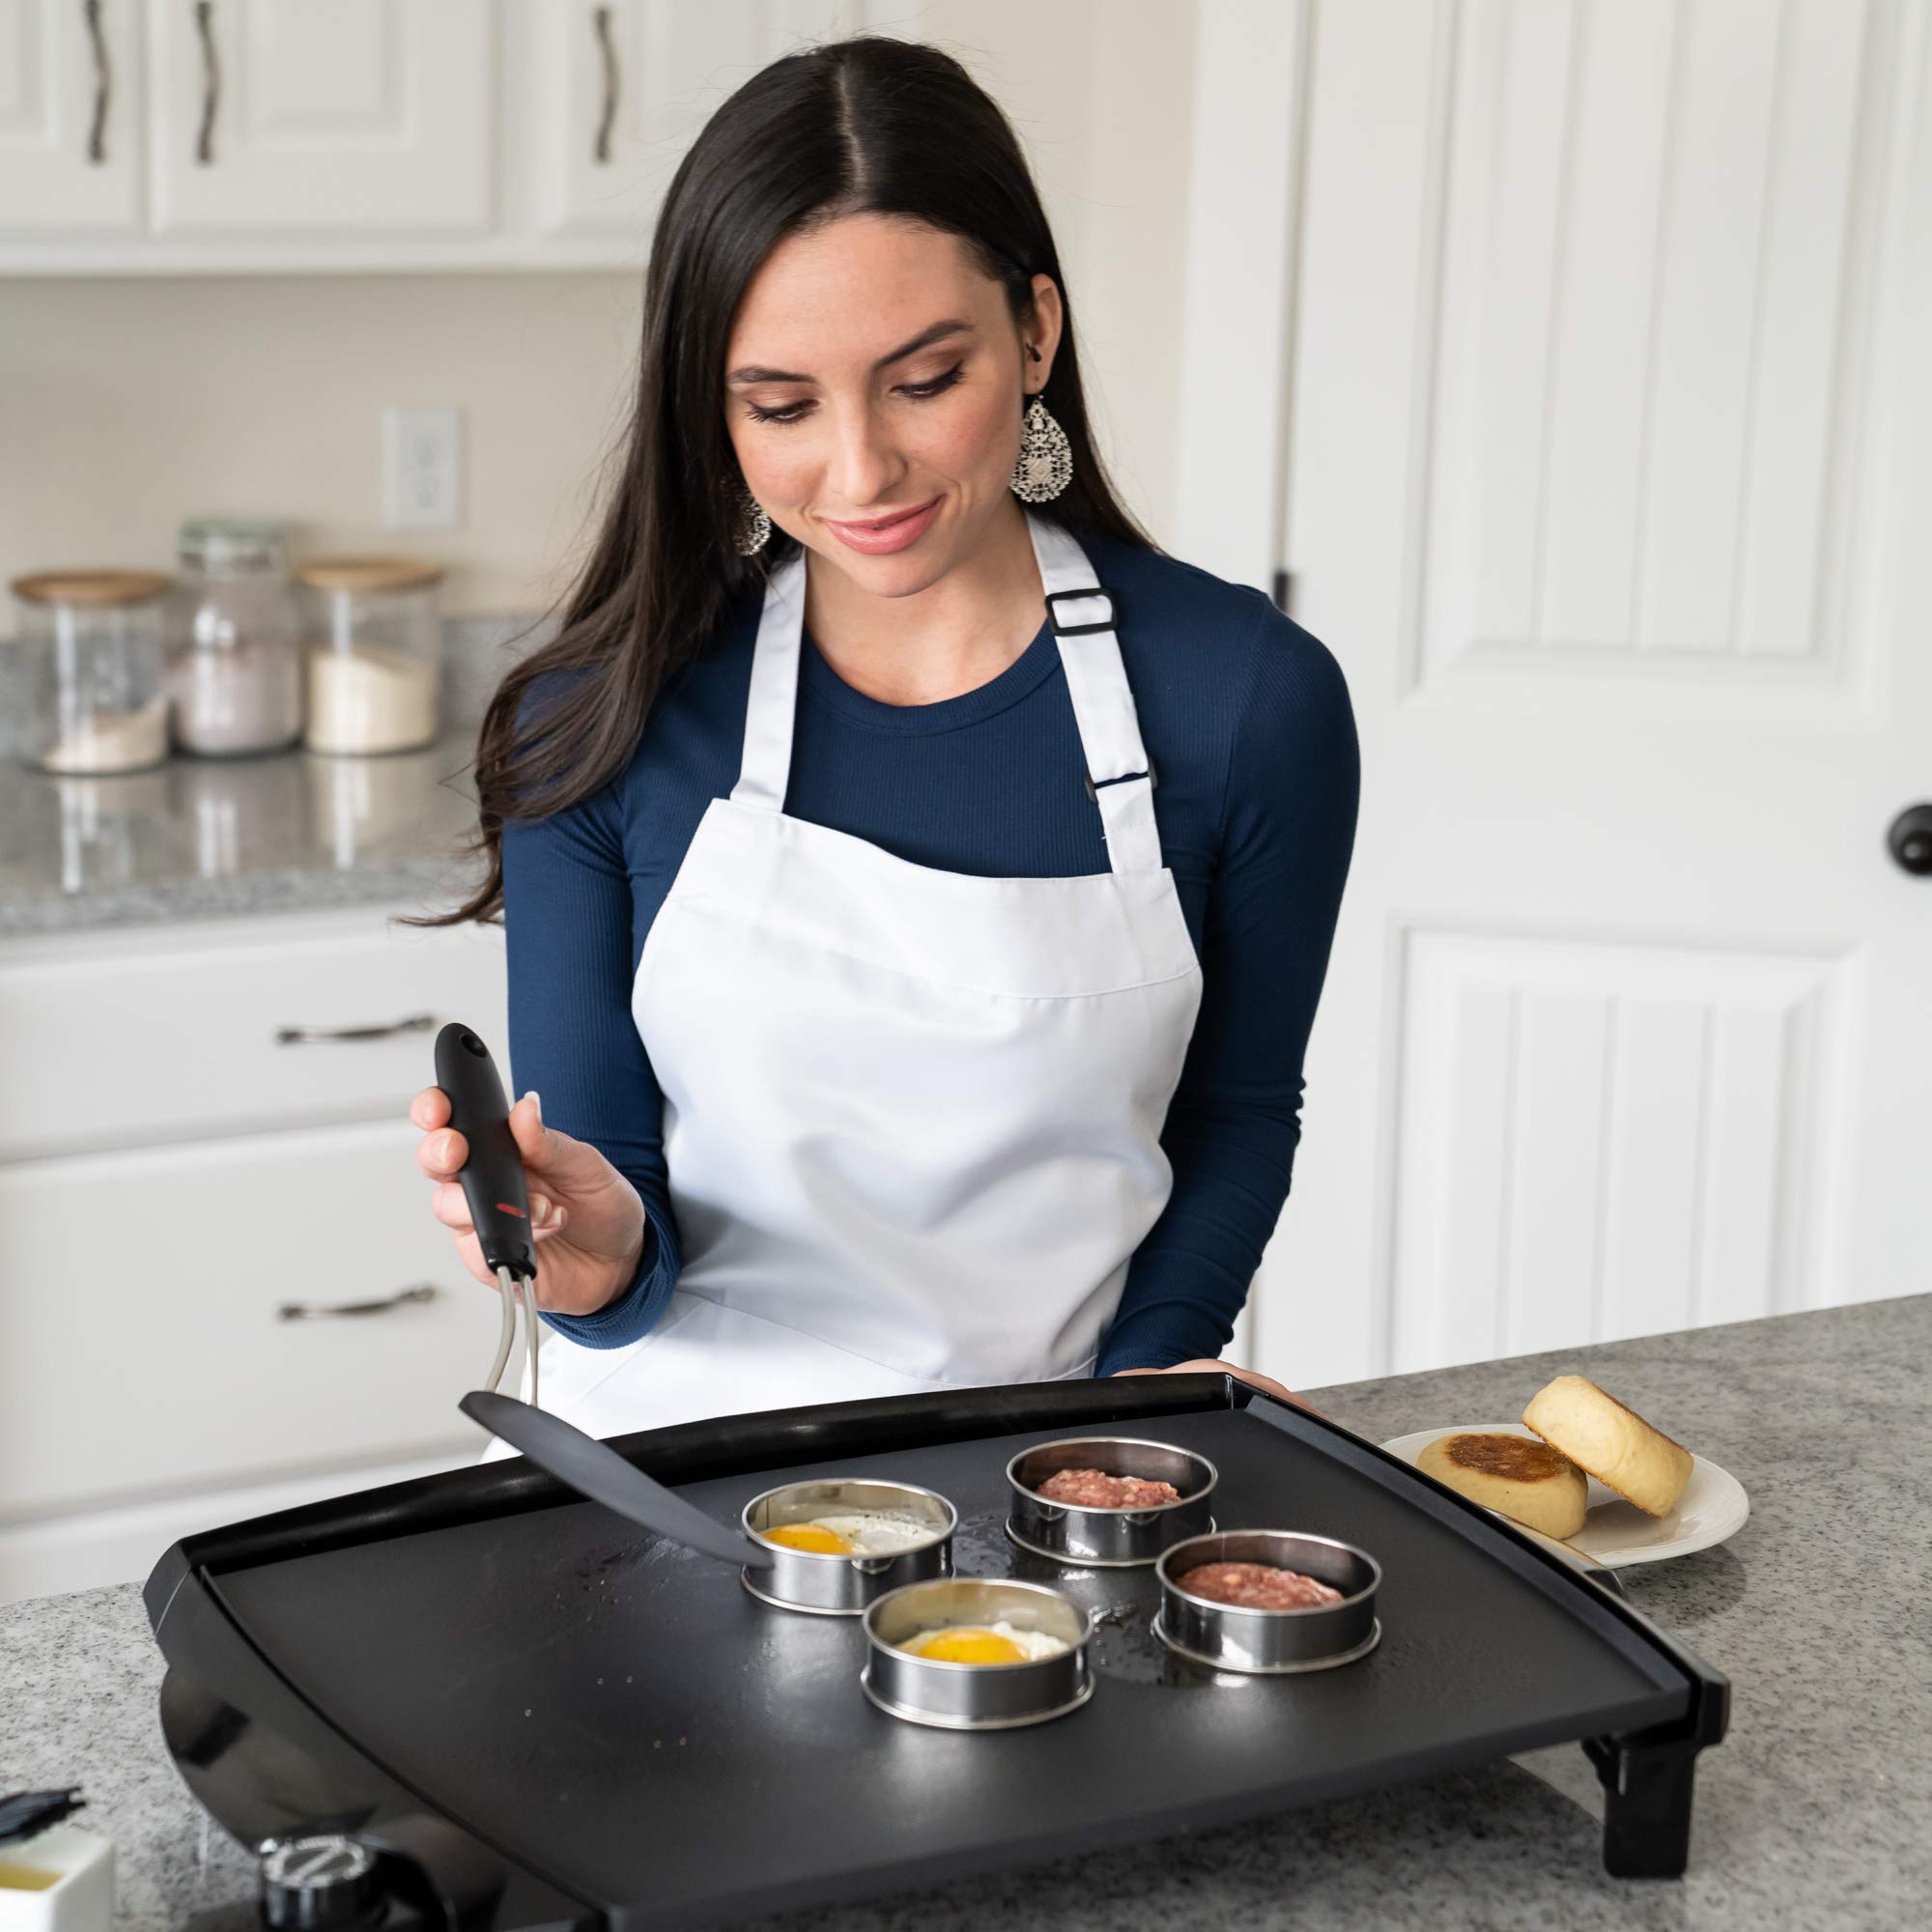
1910, 838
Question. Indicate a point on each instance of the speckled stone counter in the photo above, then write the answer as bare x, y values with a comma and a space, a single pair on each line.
202, 838
216, 837
1815, 1812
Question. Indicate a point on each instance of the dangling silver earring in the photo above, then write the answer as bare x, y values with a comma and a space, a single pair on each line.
1044, 466
754, 528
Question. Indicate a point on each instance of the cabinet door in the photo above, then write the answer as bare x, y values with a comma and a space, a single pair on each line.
69, 115
634, 80
321, 116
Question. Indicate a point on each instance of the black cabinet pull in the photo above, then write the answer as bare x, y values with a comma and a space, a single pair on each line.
96, 132
600, 20
302, 1036
210, 81
320, 1311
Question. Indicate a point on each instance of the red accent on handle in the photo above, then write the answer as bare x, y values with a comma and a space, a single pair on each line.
504, 1208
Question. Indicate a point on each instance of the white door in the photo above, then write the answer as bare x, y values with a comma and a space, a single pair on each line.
71, 87
632, 81
319, 116
1609, 454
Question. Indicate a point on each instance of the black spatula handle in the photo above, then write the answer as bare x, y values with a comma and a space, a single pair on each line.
493, 1177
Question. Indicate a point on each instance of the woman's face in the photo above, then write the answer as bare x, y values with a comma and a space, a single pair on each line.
874, 369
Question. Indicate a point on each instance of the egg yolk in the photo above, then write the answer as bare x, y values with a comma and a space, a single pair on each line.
811, 1536
965, 1645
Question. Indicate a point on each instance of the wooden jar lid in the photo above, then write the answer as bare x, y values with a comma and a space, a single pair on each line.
367, 574
94, 588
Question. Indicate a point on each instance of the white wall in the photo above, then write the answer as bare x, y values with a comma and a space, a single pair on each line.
129, 403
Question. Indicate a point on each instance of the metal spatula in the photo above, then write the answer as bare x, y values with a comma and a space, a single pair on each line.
492, 1184
595, 1469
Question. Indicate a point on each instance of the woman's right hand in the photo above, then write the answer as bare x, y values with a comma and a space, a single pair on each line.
586, 1220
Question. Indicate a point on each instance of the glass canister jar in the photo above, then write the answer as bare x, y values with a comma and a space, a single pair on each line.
374, 641
235, 668
93, 666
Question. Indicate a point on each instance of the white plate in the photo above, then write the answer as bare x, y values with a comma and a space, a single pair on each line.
1713, 1505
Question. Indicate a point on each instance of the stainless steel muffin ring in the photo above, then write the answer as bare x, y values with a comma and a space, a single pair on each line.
1262, 1642
1108, 1539
960, 1696
828, 1584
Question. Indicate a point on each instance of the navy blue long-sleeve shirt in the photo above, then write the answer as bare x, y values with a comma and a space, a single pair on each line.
1248, 724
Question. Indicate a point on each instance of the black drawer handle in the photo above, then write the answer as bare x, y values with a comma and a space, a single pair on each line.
298, 1036
322, 1310
210, 81
600, 21
96, 132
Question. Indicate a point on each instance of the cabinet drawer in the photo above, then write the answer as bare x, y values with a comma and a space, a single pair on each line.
138, 1037
91, 1549
143, 1350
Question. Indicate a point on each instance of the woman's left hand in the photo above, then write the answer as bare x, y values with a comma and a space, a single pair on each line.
1202, 1366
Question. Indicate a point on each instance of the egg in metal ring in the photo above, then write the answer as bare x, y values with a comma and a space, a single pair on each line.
996, 1642
852, 1533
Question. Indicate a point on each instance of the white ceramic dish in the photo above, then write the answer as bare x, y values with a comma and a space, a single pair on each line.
1713, 1507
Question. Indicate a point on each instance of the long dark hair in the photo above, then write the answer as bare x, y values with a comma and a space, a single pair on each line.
868, 126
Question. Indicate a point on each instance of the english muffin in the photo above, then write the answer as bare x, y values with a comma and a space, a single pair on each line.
1527, 1480
1613, 1444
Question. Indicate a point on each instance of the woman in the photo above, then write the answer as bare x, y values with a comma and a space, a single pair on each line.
917, 889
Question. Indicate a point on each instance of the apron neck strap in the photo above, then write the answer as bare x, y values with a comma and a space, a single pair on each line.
773, 702
1082, 616
1117, 772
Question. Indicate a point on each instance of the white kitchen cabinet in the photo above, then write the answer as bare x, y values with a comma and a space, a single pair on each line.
207, 1030
71, 92
171, 1175
408, 137
321, 116
49, 1556
147, 1349
291, 136
632, 81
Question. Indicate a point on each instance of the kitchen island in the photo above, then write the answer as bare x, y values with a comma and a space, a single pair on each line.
1815, 1812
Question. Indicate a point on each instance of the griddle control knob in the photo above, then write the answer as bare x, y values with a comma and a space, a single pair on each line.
315, 1881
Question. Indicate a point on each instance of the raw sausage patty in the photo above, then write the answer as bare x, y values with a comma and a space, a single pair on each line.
1258, 1586
1094, 1488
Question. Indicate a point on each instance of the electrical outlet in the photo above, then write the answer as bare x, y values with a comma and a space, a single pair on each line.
423, 469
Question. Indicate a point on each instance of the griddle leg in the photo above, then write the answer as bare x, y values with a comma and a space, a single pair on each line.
1647, 1790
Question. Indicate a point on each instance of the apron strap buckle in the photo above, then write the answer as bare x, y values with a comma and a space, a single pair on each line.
1094, 595
1095, 790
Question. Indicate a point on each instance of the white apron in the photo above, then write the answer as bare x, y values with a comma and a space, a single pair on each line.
912, 1118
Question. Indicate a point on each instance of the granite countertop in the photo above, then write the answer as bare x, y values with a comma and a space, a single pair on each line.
212, 837
1813, 1813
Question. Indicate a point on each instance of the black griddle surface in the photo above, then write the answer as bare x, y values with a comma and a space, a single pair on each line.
623, 1717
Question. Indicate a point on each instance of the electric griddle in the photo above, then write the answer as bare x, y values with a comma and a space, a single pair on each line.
539, 1715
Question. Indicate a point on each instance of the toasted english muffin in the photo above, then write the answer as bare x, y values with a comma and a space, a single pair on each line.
1613, 1444
1523, 1479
